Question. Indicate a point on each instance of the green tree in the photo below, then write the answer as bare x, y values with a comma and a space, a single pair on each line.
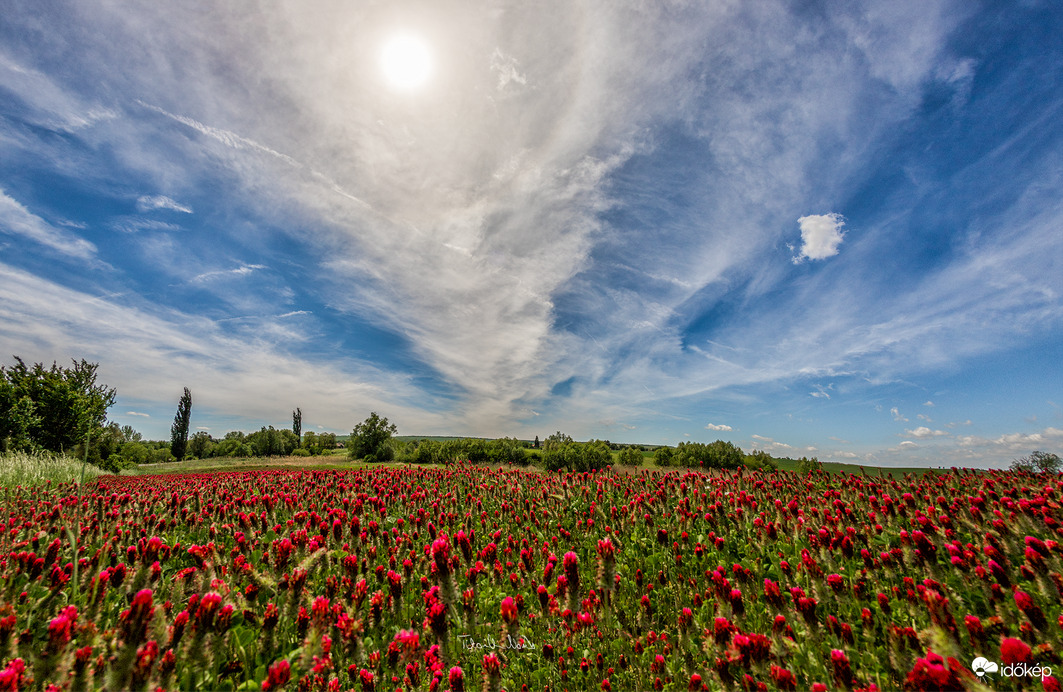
664, 456
1039, 462
297, 424
370, 439
131, 435
629, 456
179, 429
558, 439
51, 408
201, 445
594, 456
759, 459
558, 455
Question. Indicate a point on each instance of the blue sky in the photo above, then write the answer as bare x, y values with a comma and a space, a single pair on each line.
830, 229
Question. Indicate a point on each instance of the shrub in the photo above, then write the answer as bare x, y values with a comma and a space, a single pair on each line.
629, 456
759, 459
161, 455
300, 452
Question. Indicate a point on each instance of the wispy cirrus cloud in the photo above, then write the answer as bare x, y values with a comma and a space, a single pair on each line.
146, 203
242, 270
164, 350
15, 219
583, 220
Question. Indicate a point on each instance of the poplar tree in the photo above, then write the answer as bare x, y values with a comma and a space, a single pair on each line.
297, 424
179, 429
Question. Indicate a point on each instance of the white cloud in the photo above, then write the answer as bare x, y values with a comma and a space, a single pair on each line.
821, 391
242, 270
16, 219
714, 426
821, 235
148, 203
50, 105
163, 350
229, 139
137, 413
897, 415
923, 432
928, 403
517, 184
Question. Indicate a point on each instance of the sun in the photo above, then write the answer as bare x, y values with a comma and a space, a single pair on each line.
406, 62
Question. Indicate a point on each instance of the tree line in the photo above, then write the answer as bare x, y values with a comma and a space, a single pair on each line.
64, 410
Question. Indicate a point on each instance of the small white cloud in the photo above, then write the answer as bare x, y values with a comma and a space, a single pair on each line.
148, 203
928, 403
202, 427
897, 415
908, 444
137, 413
821, 235
922, 416
821, 391
714, 426
923, 432
242, 270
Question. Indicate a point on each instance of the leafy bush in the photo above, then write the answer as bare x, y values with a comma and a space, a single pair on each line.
507, 450
594, 456
715, 455
589, 456
300, 452
161, 455
805, 465
759, 459
115, 463
629, 456
664, 456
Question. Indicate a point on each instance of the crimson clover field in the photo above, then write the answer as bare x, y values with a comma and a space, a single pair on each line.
465, 578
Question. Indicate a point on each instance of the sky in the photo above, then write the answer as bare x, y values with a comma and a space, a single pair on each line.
829, 229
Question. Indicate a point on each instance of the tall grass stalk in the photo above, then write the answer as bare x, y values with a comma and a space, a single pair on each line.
21, 468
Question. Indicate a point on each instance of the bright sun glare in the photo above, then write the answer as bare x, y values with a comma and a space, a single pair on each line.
406, 62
